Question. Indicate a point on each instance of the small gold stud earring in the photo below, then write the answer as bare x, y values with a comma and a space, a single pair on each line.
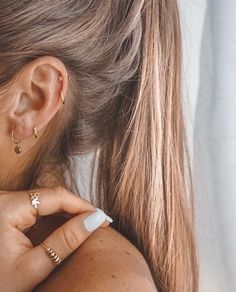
35, 132
18, 149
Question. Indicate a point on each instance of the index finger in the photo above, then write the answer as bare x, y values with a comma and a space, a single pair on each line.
51, 201
58, 199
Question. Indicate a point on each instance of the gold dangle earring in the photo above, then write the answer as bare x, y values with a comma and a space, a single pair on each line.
60, 78
18, 149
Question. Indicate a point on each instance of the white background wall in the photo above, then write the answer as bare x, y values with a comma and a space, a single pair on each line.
209, 32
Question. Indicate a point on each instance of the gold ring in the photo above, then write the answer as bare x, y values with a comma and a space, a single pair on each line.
54, 257
35, 200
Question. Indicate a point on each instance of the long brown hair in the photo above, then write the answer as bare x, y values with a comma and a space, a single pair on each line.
124, 102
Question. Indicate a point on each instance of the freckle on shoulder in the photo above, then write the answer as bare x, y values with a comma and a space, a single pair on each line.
114, 246
109, 238
112, 255
106, 260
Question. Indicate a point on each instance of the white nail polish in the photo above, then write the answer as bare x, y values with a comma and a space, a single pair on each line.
94, 220
108, 218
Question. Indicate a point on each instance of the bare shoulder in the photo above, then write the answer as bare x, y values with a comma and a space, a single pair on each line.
105, 261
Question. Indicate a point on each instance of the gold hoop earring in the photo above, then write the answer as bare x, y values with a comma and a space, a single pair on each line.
60, 78
62, 97
18, 149
35, 132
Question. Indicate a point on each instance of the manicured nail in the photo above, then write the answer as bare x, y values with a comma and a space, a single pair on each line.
94, 220
108, 218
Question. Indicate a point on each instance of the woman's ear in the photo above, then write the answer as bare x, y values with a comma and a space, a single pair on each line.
38, 93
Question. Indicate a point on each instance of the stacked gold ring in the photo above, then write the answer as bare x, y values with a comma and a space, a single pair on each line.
54, 257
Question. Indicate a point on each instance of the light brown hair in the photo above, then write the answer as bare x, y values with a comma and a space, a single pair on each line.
124, 101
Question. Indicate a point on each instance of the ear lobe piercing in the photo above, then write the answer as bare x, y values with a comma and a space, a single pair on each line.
18, 149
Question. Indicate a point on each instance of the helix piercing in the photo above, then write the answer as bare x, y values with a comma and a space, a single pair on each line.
62, 97
60, 78
18, 149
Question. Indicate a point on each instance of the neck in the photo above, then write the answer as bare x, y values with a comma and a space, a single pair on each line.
11, 177
11, 174
13, 167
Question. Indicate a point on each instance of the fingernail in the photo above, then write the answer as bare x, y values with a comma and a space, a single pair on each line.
94, 220
108, 218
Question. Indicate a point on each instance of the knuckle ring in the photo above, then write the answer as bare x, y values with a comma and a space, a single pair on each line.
54, 257
35, 199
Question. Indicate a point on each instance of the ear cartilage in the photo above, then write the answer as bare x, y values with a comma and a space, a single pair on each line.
60, 78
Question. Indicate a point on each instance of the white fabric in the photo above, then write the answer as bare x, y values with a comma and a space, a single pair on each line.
209, 31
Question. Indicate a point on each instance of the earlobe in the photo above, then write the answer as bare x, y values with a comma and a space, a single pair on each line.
40, 93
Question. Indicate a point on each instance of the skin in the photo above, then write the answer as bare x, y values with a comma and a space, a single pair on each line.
18, 256
106, 261
101, 261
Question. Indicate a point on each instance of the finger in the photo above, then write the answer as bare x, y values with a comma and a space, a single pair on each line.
52, 200
69, 216
65, 240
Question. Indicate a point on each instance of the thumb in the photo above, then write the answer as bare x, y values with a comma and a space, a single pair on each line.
64, 240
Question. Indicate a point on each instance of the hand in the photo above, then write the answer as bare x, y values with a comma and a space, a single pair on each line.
23, 266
